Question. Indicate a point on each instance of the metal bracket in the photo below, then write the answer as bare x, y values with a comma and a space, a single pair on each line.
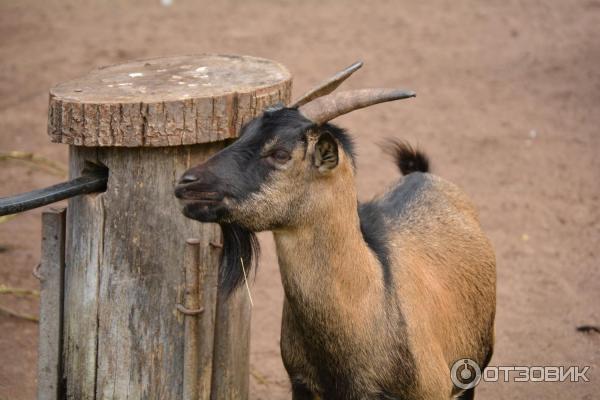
187, 311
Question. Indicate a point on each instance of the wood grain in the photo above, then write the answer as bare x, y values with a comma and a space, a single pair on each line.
139, 276
51, 270
125, 264
165, 101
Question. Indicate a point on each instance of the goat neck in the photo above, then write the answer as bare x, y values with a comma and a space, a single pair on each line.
325, 263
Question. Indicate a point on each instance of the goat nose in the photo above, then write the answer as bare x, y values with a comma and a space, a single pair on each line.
188, 178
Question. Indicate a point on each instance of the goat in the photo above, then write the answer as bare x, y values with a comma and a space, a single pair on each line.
381, 297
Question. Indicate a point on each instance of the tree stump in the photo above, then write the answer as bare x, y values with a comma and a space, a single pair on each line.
148, 121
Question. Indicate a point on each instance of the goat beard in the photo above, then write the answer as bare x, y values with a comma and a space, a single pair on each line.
240, 254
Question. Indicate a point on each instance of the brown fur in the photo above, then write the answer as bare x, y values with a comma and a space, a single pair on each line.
336, 310
364, 316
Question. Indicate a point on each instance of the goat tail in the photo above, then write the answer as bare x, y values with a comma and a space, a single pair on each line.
408, 158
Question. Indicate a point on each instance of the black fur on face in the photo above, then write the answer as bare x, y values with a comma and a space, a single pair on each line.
241, 169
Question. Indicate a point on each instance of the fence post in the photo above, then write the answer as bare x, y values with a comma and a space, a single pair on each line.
148, 121
51, 272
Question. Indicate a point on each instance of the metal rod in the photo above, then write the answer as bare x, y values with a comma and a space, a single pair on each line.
191, 302
90, 182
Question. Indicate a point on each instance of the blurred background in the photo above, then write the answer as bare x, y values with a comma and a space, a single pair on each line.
507, 108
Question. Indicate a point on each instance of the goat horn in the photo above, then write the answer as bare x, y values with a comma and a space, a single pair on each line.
329, 107
327, 86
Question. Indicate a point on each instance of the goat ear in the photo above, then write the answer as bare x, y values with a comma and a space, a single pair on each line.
326, 156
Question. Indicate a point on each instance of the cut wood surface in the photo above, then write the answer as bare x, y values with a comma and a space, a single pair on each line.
165, 101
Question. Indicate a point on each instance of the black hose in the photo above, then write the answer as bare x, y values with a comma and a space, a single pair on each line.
91, 181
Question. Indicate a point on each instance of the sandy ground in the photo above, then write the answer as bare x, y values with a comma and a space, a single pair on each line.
507, 108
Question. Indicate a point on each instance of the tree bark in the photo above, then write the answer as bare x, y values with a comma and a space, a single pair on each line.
166, 101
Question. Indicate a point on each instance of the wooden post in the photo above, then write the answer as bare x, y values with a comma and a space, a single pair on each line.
51, 304
148, 121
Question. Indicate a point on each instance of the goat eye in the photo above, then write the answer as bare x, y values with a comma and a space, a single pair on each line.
280, 155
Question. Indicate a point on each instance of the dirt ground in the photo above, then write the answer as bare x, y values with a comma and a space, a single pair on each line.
507, 108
